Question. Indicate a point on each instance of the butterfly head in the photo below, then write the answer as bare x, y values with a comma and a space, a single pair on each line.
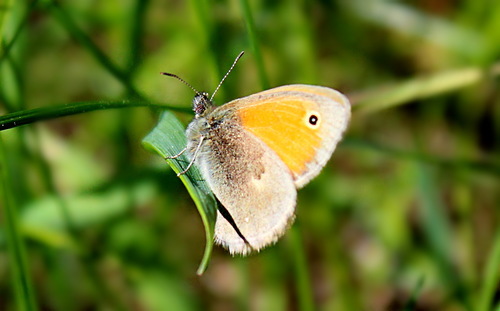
201, 102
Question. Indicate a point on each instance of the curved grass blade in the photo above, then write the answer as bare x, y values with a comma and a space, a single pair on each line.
168, 139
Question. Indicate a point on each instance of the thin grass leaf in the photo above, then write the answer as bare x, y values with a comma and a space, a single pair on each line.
18, 265
61, 15
422, 87
210, 42
254, 43
439, 234
7, 46
411, 21
168, 139
39, 114
136, 35
491, 277
203, 16
303, 282
411, 304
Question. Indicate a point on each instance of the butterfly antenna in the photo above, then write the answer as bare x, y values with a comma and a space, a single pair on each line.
230, 69
180, 79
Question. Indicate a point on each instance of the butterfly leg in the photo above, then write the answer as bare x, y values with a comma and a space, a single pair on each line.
198, 147
177, 155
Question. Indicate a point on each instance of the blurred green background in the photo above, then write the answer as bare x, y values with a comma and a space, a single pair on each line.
404, 217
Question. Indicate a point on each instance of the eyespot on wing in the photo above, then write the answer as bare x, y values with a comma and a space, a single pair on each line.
301, 123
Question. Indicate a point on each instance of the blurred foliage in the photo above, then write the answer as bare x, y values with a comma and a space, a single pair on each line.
404, 217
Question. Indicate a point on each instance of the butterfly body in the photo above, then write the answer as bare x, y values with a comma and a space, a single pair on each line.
256, 151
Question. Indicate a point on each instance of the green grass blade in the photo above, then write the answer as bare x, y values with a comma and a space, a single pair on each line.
411, 304
136, 34
413, 22
421, 87
491, 277
7, 46
29, 116
60, 14
438, 233
303, 282
254, 42
209, 45
168, 139
23, 287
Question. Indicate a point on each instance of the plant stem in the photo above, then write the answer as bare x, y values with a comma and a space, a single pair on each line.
23, 287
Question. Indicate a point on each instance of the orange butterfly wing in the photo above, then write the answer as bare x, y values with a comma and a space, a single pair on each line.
301, 123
